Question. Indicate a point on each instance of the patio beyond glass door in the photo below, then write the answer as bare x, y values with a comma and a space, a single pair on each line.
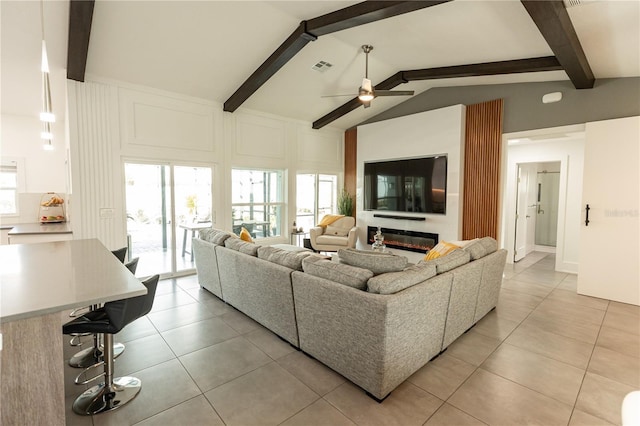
166, 205
192, 189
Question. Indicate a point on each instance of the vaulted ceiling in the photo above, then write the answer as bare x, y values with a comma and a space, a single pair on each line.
208, 49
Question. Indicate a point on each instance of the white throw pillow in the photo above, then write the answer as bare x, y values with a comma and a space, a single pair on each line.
336, 231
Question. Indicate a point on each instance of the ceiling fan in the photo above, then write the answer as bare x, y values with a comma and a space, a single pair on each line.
366, 92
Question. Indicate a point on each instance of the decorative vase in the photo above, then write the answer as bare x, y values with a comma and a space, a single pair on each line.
378, 243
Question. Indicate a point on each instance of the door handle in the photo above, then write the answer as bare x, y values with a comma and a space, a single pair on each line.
586, 209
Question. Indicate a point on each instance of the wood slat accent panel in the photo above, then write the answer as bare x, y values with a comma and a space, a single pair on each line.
483, 146
350, 162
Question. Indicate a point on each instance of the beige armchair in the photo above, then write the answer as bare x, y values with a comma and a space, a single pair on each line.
339, 235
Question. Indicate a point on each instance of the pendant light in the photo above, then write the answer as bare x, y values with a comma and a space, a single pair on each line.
46, 115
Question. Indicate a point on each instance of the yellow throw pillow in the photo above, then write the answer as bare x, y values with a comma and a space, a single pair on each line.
245, 235
440, 250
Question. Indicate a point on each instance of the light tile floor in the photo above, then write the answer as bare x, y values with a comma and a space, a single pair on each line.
545, 356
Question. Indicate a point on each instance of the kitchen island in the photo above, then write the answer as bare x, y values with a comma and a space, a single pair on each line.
37, 282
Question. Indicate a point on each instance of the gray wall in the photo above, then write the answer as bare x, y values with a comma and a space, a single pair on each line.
523, 107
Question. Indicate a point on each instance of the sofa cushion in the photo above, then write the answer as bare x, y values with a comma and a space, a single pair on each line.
332, 240
476, 249
376, 262
441, 249
489, 244
290, 248
450, 261
215, 236
338, 272
237, 244
336, 231
393, 282
291, 260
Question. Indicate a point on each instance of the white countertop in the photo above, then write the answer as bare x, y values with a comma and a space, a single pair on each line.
43, 278
39, 229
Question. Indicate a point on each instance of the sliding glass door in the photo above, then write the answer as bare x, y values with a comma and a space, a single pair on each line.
316, 196
166, 205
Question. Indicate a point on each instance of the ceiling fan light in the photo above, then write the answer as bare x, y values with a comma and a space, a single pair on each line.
365, 96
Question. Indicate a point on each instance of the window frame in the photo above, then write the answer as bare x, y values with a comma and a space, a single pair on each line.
265, 206
18, 165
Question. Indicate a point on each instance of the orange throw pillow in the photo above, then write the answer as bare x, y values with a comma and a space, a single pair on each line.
245, 235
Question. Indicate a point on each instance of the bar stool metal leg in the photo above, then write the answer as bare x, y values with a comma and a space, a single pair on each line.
93, 355
110, 395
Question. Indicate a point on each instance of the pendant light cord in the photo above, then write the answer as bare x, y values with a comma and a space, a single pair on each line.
42, 17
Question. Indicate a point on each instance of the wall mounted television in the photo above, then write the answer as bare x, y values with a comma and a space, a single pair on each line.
416, 185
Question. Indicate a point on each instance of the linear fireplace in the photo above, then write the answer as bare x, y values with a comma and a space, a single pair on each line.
404, 240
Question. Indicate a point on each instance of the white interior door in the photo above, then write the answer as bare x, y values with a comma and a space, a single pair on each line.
609, 244
521, 213
532, 208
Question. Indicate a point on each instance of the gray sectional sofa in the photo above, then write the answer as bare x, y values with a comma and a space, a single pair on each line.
374, 328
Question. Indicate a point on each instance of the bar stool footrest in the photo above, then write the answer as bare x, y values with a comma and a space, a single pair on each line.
89, 357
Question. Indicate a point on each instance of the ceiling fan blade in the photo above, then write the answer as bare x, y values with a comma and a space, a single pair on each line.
393, 92
335, 96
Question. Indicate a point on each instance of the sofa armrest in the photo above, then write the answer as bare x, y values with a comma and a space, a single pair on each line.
352, 237
207, 265
315, 232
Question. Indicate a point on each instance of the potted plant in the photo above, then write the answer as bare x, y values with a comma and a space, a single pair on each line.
345, 203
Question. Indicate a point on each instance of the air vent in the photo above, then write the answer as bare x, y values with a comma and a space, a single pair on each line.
322, 66
574, 3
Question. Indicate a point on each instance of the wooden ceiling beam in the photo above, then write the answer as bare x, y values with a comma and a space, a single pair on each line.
547, 63
553, 21
349, 17
287, 50
80, 18
364, 13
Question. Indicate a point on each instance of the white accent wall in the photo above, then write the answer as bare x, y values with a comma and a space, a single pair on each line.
111, 123
428, 133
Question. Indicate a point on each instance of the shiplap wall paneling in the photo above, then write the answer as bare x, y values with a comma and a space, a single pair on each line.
483, 141
94, 179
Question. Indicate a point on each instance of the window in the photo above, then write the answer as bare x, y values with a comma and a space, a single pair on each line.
257, 201
9, 187
316, 196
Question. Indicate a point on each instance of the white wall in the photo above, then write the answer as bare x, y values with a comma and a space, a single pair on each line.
44, 171
428, 133
112, 122
569, 151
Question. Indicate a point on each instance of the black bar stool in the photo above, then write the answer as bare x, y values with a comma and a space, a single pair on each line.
109, 320
93, 355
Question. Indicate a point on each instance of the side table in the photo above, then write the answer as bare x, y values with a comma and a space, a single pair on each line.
297, 238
